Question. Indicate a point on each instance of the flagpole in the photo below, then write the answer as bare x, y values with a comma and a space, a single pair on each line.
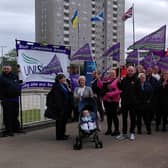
133, 24
133, 29
78, 40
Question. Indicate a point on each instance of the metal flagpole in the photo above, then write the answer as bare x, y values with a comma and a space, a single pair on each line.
78, 42
133, 24
133, 29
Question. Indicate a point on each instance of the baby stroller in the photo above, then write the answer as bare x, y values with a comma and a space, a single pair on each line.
87, 126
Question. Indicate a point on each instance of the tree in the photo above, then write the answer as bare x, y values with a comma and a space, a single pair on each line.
10, 58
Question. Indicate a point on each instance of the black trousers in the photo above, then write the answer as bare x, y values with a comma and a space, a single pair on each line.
10, 116
111, 112
131, 110
144, 112
162, 115
99, 107
61, 126
75, 113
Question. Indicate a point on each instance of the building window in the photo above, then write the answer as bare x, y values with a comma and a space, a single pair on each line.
115, 2
93, 12
66, 21
66, 28
66, 7
66, 14
66, 42
114, 15
66, 35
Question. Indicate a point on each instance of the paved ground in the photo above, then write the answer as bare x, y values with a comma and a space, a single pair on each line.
39, 149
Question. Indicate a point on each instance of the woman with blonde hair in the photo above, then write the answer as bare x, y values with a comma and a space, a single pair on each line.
82, 92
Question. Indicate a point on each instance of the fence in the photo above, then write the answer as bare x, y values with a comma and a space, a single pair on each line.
32, 106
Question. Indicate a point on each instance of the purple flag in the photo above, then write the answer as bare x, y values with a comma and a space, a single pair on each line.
153, 41
74, 80
153, 58
54, 66
113, 52
148, 61
84, 54
163, 63
132, 57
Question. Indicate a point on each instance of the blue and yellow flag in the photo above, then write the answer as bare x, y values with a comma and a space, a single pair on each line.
74, 19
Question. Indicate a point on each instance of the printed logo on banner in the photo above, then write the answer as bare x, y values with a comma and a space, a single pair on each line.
30, 60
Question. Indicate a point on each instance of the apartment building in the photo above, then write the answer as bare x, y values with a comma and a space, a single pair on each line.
53, 25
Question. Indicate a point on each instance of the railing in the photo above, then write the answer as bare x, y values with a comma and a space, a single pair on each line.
33, 104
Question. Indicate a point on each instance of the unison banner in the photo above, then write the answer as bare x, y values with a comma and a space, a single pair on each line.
39, 63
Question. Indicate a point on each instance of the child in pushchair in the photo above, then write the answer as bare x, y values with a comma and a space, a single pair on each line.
87, 123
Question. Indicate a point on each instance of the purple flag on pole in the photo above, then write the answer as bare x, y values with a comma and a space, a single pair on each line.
163, 63
113, 52
153, 58
148, 61
153, 41
84, 54
132, 57
54, 66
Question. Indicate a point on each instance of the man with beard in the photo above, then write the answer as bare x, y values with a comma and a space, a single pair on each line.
10, 92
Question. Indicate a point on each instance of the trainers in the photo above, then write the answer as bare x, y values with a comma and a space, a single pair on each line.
132, 137
122, 137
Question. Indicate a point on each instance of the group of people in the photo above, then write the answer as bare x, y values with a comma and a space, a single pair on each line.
140, 95
137, 93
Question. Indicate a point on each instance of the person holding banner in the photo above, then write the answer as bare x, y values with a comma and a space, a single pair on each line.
10, 92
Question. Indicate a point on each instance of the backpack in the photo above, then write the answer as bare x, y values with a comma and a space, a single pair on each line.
49, 112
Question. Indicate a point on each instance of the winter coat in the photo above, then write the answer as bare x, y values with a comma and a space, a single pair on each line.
113, 94
130, 90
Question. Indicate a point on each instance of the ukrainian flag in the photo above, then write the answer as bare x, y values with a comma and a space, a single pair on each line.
74, 19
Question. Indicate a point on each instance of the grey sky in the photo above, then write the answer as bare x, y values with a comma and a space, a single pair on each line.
17, 20
150, 15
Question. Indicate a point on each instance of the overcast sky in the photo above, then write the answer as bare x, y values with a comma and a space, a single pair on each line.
17, 20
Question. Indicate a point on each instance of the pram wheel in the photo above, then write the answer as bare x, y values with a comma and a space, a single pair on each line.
99, 144
78, 144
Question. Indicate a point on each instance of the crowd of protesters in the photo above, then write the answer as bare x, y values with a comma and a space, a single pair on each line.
136, 93
139, 95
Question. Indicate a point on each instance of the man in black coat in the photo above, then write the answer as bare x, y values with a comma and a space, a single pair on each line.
129, 100
10, 92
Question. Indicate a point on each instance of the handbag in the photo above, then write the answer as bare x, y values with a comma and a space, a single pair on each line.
49, 113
